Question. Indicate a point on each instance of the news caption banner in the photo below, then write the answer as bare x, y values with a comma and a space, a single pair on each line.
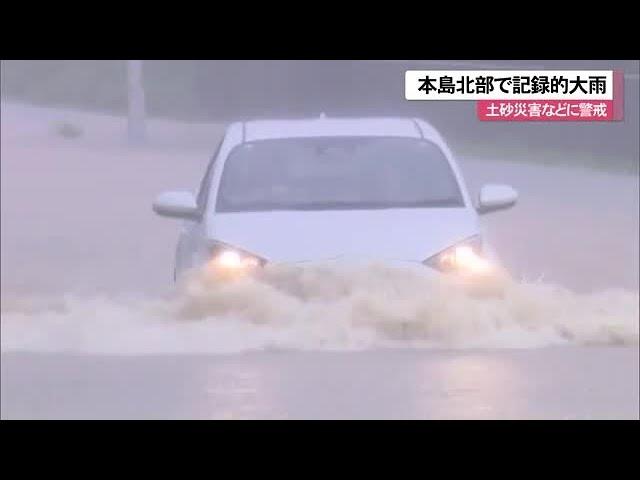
526, 95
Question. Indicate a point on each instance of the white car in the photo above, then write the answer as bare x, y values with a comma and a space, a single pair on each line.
333, 189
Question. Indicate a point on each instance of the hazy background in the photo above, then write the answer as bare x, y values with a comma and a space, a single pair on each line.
237, 90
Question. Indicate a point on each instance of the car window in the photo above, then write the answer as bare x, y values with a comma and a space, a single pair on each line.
335, 173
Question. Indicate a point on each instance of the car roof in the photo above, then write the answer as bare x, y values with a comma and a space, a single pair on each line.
332, 127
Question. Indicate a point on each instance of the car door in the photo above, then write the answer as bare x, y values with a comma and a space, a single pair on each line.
192, 234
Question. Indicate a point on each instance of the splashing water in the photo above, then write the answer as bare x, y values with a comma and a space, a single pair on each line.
319, 308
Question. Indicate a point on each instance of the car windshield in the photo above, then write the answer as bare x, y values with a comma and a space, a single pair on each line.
337, 173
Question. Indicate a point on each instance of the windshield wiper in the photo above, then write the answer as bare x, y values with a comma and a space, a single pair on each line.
340, 205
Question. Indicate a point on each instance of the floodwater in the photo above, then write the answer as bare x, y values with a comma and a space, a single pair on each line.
92, 326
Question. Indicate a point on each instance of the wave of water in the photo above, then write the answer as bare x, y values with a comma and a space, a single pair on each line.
318, 308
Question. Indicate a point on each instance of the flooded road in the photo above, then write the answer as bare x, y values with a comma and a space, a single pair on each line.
92, 328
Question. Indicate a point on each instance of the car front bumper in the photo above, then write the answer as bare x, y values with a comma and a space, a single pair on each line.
488, 284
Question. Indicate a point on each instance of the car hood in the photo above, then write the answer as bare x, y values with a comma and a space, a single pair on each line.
303, 236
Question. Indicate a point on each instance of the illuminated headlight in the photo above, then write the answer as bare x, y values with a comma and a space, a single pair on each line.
465, 257
225, 257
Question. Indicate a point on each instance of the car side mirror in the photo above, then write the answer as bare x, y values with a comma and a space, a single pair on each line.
176, 204
495, 197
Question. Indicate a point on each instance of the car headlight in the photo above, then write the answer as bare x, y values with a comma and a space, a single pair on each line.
225, 257
464, 257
